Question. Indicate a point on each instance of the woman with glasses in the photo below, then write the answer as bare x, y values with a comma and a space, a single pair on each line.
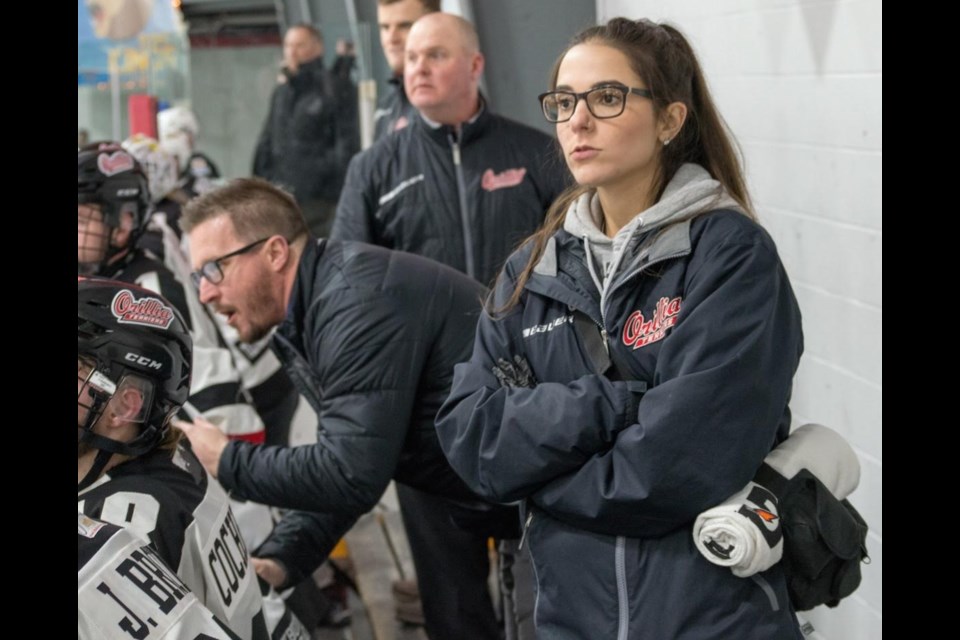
636, 360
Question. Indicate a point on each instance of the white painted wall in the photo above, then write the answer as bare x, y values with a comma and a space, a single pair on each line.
800, 83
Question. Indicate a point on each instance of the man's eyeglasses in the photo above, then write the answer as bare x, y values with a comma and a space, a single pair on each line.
607, 101
211, 269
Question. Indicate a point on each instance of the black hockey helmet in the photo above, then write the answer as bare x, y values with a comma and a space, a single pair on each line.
128, 335
110, 177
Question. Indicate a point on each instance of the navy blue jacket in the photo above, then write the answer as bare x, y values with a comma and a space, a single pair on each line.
370, 340
703, 324
466, 199
394, 111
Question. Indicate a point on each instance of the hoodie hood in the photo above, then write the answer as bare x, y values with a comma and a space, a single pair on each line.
691, 192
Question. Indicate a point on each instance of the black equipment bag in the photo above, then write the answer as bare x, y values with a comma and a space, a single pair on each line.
824, 542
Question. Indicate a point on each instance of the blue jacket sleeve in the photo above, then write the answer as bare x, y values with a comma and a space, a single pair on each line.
494, 437
367, 369
301, 541
720, 393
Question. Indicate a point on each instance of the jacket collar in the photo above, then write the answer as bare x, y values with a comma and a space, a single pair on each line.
469, 130
397, 83
308, 69
303, 294
561, 274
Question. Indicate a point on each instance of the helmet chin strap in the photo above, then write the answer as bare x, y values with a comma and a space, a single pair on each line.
114, 260
96, 470
106, 447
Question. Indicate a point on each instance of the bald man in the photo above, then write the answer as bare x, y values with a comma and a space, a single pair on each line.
460, 185
394, 20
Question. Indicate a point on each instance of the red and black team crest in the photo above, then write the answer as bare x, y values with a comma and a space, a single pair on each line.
114, 163
146, 311
639, 331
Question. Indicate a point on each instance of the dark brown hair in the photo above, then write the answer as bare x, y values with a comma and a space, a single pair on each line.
255, 207
431, 6
662, 57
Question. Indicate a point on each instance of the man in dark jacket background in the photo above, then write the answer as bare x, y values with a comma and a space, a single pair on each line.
370, 337
459, 184
394, 20
311, 131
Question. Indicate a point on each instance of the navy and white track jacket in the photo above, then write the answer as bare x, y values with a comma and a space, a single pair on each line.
701, 319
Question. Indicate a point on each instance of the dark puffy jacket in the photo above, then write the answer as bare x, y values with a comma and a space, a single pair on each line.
613, 470
465, 200
310, 133
370, 339
394, 111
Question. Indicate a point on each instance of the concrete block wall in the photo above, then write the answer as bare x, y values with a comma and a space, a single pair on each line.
800, 84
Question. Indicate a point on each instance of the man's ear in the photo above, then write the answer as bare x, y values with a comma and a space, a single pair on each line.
477, 65
278, 253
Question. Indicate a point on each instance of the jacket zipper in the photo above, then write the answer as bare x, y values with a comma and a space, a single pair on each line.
462, 198
600, 325
526, 526
603, 333
533, 563
623, 606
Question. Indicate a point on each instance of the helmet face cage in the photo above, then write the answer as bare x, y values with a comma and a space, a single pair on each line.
94, 390
110, 178
129, 337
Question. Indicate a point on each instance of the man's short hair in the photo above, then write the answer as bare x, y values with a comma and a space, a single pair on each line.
430, 5
255, 207
312, 30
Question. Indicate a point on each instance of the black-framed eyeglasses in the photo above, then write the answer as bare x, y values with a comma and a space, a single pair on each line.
607, 101
211, 269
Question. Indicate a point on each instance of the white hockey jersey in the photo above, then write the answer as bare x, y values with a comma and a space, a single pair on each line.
125, 590
167, 499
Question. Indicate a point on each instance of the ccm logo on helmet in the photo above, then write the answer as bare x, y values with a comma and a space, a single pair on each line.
126, 193
143, 361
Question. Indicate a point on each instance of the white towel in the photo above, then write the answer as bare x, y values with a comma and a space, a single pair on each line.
821, 451
744, 532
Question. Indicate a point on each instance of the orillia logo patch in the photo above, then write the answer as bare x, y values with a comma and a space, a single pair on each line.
507, 178
114, 163
639, 331
147, 311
